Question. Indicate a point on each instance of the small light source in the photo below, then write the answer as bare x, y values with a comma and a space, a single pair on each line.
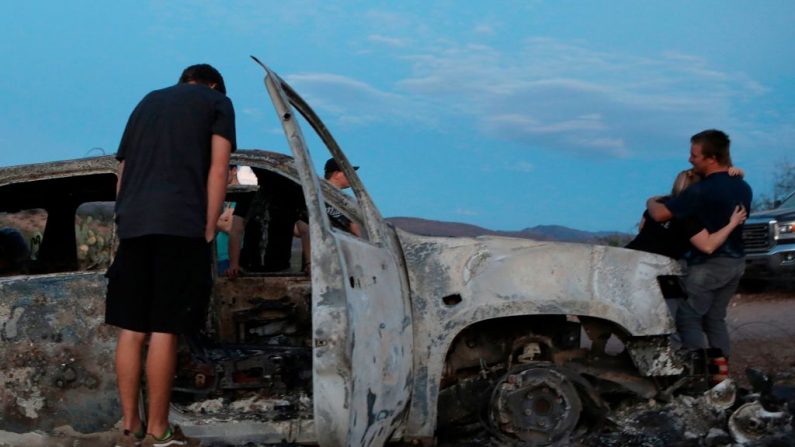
785, 230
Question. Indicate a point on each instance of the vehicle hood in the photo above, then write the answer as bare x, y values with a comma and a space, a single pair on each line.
778, 213
499, 276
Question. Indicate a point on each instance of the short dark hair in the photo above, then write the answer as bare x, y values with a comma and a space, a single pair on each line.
714, 143
203, 74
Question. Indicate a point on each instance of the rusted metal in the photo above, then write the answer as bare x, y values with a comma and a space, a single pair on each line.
654, 356
501, 277
56, 354
241, 306
535, 405
362, 329
57, 169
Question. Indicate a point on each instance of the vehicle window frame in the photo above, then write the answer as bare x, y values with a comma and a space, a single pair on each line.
60, 205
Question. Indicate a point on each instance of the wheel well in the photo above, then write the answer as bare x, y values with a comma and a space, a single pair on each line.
590, 350
512, 340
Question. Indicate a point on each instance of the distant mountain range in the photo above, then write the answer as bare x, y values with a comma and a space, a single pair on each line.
540, 232
425, 227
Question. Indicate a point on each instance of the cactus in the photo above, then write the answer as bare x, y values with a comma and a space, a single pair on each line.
93, 242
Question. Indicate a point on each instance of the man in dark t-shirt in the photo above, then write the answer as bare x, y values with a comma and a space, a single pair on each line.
711, 279
173, 158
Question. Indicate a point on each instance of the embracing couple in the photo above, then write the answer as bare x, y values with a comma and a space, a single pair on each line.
704, 215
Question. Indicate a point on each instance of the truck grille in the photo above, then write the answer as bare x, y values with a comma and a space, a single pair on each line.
756, 236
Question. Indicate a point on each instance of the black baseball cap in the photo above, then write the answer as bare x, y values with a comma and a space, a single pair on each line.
332, 166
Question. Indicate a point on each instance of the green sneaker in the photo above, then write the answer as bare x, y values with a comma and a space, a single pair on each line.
175, 438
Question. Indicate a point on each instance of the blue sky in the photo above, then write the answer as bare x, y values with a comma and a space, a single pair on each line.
501, 114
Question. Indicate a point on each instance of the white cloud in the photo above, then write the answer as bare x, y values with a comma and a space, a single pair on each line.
388, 19
386, 40
540, 93
529, 125
351, 101
566, 96
550, 94
465, 212
521, 166
252, 111
483, 29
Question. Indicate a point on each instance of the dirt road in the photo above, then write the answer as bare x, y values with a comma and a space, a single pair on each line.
762, 329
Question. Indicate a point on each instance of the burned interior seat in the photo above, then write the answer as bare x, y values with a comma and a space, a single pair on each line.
268, 237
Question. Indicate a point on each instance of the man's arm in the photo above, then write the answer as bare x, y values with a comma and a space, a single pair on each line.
216, 182
658, 211
235, 238
355, 229
118, 177
708, 243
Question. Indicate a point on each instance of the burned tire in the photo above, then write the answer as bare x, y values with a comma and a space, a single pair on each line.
534, 406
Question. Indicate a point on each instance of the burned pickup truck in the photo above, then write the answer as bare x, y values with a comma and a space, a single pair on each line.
393, 337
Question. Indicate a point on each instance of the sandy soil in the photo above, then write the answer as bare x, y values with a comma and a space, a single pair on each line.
762, 329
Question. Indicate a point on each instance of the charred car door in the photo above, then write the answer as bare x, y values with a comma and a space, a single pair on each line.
361, 314
56, 355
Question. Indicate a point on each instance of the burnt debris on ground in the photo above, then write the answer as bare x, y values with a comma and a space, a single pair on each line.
725, 415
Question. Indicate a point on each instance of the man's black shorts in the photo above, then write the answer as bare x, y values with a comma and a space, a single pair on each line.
159, 283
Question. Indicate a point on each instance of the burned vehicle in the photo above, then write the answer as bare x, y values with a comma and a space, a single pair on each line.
391, 337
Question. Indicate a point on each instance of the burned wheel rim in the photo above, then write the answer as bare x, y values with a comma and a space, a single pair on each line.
535, 406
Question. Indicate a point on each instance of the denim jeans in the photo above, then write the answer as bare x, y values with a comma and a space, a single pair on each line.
709, 286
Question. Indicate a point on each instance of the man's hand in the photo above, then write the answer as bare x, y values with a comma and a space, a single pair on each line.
355, 229
235, 243
738, 216
658, 211
225, 221
736, 172
233, 271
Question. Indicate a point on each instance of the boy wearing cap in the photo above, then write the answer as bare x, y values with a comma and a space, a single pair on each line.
336, 177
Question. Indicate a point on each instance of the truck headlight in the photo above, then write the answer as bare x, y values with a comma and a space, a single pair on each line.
785, 230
